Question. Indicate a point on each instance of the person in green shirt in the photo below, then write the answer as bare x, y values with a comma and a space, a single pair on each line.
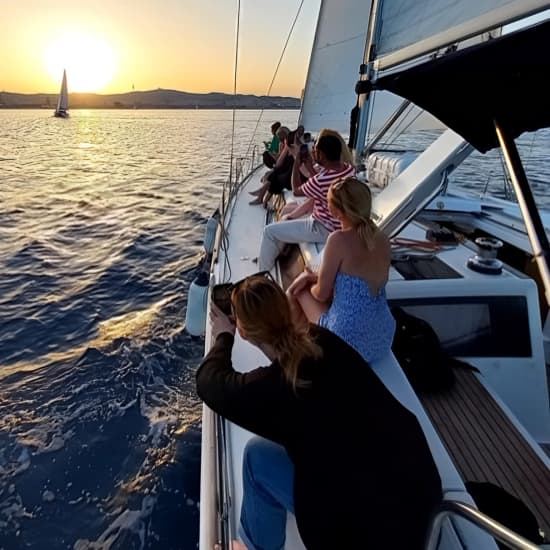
272, 147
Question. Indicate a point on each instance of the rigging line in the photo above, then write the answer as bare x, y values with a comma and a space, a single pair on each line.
235, 70
226, 199
407, 119
275, 73
405, 124
393, 130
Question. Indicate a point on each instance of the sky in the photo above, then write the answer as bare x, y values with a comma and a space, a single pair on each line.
113, 46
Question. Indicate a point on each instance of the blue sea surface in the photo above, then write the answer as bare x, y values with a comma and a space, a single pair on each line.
101, 229
485, 174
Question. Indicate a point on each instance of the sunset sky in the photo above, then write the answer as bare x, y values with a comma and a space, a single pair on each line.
109, 45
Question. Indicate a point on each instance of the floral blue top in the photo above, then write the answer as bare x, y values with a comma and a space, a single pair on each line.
362, 320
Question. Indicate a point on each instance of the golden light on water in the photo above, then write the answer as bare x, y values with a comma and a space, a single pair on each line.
89, 60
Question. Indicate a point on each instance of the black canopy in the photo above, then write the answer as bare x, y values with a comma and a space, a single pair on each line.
506, 78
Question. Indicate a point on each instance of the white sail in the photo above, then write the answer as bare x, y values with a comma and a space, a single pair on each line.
412, 28
338, 51
63, 101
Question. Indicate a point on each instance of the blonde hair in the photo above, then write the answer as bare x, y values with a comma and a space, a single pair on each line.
354, 199
264, 315
345, 155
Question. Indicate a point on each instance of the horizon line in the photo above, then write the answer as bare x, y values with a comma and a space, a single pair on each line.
153, 90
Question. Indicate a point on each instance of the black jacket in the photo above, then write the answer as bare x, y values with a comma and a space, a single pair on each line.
364, 475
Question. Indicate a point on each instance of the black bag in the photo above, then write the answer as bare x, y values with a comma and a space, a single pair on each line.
268, 159
417, 348
505, 508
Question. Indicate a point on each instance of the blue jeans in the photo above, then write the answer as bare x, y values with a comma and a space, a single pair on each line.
268, 481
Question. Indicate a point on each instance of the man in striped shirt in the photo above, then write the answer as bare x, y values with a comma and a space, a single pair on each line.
316, 227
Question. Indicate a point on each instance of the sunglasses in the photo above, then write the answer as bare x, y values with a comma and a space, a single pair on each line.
265, 274
221, 294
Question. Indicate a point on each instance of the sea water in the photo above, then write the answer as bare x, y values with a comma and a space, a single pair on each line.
102, 220
101, 228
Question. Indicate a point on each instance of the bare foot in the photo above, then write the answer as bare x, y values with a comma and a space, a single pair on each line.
256, 201
256, 193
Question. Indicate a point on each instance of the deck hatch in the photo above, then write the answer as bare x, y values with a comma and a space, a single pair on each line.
480, 326
412, 268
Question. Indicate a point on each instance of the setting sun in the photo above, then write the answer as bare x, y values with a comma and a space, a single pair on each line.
90, 61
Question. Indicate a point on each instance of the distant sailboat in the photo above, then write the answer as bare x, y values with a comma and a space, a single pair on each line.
63, 101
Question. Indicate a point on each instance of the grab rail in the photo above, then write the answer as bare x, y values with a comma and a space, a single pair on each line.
494, 528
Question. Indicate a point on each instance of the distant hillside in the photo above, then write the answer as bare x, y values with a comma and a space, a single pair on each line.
154, 99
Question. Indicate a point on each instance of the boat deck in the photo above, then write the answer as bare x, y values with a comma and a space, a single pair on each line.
486, 446
481, 442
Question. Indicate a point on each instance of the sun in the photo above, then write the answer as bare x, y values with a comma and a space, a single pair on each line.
89, 60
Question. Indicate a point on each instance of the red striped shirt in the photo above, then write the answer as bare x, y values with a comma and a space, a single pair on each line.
317, 188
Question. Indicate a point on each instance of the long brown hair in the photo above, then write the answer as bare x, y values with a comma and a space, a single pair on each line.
263, 313
354, 199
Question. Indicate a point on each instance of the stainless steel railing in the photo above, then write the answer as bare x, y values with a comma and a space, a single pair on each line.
487, 524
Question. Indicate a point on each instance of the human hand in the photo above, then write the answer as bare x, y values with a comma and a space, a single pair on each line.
294, 150
306, 279
289, 207
285, 217
220, 322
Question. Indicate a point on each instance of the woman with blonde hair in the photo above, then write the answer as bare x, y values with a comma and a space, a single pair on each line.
348, 295
322, 454
346, 155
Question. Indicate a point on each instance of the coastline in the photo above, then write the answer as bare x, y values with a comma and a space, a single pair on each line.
149, 107
153, 99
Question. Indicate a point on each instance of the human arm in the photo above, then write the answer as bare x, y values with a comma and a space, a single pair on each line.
295, 180
281, 156
253, 400
307, 170
303, 280
332, 258
280, 146
301, 210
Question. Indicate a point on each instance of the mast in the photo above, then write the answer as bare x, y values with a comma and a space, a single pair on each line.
367, 71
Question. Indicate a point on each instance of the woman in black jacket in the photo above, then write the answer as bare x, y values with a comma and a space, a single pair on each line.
343, 454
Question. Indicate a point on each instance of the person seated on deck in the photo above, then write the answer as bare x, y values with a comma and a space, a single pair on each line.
278, 179
348, 295
319, 222
336, 448
273, 147
283, 164
346, 155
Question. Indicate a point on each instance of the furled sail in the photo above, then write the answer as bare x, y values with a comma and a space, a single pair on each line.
411, 28
338, 50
